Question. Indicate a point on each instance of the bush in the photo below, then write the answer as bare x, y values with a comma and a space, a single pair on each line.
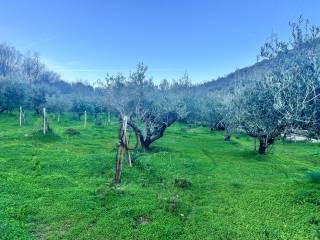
72, 132
314, 177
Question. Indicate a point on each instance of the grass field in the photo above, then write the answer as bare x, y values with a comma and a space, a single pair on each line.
60, 186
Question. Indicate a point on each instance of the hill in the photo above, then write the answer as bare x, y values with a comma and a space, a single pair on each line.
258, 70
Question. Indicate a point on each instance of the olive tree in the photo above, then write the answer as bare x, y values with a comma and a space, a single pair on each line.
296, 90
12, 95
257, 116
58, 104
149, 109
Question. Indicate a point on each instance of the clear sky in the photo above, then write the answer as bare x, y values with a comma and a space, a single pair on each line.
85, 39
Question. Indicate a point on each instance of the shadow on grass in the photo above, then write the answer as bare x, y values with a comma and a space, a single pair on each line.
157, 149
49, 137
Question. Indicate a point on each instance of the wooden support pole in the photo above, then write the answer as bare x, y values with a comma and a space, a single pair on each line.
20, 116
123, 146
128, 153
85, 118
119, 164
109, 118
125, 140
44, 121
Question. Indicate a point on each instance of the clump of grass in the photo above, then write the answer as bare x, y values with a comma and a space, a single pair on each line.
141, 220
172, 204
72, 132
182, 183
314, 177
50, 136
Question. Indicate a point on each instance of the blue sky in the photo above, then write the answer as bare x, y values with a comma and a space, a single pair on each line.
85, 39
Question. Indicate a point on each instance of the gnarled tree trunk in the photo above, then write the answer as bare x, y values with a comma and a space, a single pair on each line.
264, 142
153, 131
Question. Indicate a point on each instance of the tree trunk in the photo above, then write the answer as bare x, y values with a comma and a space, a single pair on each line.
153, 133
262, 145
227, 137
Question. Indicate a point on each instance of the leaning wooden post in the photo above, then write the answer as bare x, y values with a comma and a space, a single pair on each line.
123, 146
85, 118
119, 164
44, 121
126, 140
117, 178
20, 116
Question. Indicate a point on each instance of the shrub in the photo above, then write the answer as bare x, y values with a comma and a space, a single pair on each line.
72, 132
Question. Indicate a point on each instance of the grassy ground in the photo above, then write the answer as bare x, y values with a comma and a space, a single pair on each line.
59, 186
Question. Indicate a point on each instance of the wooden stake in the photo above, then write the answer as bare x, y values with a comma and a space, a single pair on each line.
109, 118
20, 116
44, 121
123, 146
85, 118
126, 140
119, 165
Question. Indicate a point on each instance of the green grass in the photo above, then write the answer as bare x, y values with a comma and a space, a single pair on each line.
60, 186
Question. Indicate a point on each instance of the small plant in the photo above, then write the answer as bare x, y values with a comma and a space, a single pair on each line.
72, 132
314, 177
182, 183
141, 220
171, 204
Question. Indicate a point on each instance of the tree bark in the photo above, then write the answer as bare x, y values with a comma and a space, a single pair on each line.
262, 146
117, 179
155, 133
227, 137
264, 143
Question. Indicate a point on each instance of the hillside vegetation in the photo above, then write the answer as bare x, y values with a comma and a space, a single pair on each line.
191, 185
259, 70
